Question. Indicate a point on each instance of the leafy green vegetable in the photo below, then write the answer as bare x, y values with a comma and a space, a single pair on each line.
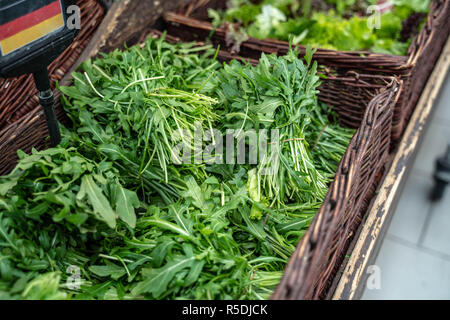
329, 24
113, 205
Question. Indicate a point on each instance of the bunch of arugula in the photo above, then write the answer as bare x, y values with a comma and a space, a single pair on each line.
110, 202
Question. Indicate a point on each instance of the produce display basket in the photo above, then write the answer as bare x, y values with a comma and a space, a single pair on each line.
190, 23
362, 101
19, 103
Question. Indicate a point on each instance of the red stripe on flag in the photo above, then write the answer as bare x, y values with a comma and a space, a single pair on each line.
30, 20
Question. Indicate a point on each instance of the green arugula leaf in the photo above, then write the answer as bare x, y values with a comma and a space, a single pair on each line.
98, 200
125, 203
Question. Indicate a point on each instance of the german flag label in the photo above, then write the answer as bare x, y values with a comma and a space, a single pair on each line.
40, 19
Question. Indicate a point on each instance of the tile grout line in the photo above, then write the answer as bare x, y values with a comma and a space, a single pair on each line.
426, 225
424, 249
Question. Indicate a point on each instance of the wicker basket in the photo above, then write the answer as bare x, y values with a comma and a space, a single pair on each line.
365, 102
18, 96
414, 69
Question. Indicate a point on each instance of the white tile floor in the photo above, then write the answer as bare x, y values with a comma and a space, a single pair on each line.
414, 259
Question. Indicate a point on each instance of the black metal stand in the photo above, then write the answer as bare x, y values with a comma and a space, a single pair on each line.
47, 101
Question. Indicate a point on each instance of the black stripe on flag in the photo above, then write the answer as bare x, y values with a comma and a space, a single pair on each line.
11, 10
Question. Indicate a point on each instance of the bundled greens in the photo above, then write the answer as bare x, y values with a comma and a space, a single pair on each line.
278, 93
346, 25
109, 214
129, 117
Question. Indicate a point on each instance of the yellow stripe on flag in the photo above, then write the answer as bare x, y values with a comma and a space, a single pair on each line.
31, 34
